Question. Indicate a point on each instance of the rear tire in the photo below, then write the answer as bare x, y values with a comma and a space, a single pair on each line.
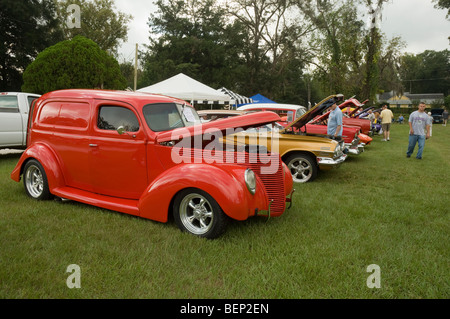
35, 181
196, 212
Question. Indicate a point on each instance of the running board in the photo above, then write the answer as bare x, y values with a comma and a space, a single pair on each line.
127, 206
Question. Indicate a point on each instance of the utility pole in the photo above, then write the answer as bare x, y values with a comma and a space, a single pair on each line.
135, 67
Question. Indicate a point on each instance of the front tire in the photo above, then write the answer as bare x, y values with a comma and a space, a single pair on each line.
35, 181
196, 212
303, 167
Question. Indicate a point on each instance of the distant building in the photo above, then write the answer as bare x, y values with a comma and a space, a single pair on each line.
408, 100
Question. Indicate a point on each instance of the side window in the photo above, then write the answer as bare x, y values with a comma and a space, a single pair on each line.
49, 112
290, 116
30, 100
74, 115
112, 117
9, 104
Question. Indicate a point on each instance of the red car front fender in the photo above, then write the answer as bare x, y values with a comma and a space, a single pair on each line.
227, 187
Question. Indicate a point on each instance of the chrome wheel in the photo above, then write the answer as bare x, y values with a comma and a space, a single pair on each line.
34, 181
196, 214
303, 168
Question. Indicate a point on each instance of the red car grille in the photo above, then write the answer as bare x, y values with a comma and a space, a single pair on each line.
274, 184
269, 169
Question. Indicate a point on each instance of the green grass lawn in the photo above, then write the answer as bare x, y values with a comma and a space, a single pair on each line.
377, 208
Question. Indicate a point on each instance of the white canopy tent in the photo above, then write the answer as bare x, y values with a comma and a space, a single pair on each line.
185, 88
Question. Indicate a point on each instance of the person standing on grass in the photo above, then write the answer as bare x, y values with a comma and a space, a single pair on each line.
444, 117
431, 123
386, 120
419, 130
335, 126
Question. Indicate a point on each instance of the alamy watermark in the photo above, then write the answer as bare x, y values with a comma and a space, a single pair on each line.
213, 146
74, 280
374, 280
74, 18
374, 17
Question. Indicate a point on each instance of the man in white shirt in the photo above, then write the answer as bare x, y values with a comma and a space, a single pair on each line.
386, 120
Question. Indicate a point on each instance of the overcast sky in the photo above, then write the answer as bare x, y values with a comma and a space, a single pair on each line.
417, 22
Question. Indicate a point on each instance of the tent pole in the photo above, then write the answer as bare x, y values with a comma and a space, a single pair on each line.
135, 67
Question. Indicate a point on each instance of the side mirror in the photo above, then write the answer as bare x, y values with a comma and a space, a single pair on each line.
121, 130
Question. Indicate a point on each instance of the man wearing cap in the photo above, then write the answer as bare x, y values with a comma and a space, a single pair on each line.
335, 127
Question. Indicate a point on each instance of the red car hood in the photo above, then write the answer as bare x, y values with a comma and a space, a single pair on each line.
243, 121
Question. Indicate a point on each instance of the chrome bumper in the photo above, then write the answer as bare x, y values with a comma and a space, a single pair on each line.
327, 162
356, 150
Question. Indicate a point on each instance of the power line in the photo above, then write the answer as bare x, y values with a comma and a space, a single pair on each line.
416, 80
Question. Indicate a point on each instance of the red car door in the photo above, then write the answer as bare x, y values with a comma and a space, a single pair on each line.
118, 161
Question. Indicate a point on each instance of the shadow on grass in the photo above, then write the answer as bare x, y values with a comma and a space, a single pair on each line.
10, 156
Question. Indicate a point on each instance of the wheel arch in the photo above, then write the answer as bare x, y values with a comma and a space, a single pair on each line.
292, 152
157, 201
45, 156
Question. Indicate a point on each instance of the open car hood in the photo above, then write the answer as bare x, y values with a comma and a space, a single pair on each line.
312, 113
358, 108
245, 121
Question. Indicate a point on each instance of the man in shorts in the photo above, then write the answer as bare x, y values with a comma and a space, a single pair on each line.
386, 120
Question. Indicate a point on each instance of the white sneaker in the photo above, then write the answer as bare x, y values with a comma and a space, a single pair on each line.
383, 140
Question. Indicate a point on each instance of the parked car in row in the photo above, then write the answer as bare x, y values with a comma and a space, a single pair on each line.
353, 138
14, 108
146, 155
437, 115
350, 133
287, 112
304, 154
212, 115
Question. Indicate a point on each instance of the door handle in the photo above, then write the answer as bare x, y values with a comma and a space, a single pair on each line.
93, 145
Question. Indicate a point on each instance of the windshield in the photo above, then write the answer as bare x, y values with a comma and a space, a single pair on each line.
168, 116
300, 112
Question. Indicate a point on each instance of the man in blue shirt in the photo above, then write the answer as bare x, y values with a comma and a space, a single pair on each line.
335, 126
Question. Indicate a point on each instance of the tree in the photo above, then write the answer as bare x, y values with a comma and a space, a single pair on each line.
389, 66
26, 28
76, 63
373, 40
427, 72
272, 48
192, 37
336, 43
99, 22
443, 4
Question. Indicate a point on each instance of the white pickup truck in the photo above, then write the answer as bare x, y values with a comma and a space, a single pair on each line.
14, 108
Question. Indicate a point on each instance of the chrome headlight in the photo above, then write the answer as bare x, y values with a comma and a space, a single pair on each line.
250, 180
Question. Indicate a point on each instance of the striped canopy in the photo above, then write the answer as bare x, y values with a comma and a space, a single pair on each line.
236, 99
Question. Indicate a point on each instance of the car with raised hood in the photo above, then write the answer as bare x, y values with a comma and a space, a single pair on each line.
350, 133
304, 153
148, 156
290, 112
353, 126
364, 124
